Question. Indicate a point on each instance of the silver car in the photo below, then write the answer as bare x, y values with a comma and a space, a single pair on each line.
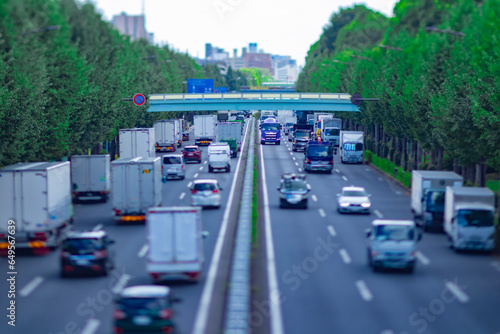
206, 193
172, 166
354, 199
294, 191
290, 135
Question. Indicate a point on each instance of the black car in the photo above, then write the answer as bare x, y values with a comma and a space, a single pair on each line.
144, 309
87, 252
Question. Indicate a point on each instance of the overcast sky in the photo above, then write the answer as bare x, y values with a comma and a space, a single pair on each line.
284, 27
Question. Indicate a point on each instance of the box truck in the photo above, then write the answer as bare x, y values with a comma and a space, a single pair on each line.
469, 218
230, 130
351, 146
330, 130
222, 115
174, 237
138, 142
204, 129
35, 205
428, 196
165, 138
90, 177
178, 131
135, 187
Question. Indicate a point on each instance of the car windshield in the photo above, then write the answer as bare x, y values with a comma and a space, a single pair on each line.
477, 218
353, 147
82, 246
288, 125
393, 232
270, 127
354, 193
204, 186
435, 201
190, 149
301, 134
319, 151
290, 185
172, 160
332, 132
142, 303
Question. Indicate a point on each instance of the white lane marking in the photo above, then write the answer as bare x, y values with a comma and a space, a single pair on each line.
300, 169
31, 286
297, 163
367, 169
201, 319
422, 258
378, 214
331, 230
314, 198
182, 195
496, 265
272, 280
205, 162
454, 289
201, 168
343, 177
398, 192
345, 256
364, 291
337, 170
144, 249
97, 227
291, 153
293, 158
91, 326
322, 213
122, 282
195, 175
190, 184
380, 179
308, 186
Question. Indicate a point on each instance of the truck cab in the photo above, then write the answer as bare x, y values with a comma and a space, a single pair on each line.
318, 157
270, 131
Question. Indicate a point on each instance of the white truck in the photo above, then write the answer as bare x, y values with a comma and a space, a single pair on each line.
219, 155
138, 142
428, 196
469, 218
178, 131
135, 186
330, 130
288, 124
318, 119
351, 146
90, 177
35, 205
230, 130
165, 136
204, 129
174, 237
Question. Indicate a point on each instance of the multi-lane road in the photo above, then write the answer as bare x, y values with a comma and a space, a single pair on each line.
321, 266
48, 304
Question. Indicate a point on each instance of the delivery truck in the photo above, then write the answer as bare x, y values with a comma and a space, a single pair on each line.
230, 130
135, 186
469, 218
204, 129
428, 196
330, 130
138, 142
178, 131
174, 237
351, 146
222, 115
35, 205
165, 137
90, 177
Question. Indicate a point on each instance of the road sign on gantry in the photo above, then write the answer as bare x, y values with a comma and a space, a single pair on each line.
139, 99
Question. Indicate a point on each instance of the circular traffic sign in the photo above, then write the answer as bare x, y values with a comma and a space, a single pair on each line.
356, 99
139, 99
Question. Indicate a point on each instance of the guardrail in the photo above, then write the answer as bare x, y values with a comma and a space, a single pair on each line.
249, 96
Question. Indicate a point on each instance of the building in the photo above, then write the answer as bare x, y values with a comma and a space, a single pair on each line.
285, 68
133, 26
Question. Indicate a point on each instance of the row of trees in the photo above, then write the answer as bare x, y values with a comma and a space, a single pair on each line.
439, 92
62, 90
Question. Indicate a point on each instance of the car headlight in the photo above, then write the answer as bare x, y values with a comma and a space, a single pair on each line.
366, 205
344, 204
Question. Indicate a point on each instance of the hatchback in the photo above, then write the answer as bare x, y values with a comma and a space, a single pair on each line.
87, 252
192, 153
144, 309
172, 166
206, 193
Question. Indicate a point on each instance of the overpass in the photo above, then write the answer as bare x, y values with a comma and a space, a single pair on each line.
251, 101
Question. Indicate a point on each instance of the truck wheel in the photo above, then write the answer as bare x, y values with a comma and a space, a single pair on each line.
410, 269
228, 169
279, 143
210, 170
261, 142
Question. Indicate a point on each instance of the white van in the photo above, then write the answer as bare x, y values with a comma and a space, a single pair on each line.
174, 238
172, 165
219, 156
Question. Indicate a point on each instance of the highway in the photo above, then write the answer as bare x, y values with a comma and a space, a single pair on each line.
48, 304
326, 285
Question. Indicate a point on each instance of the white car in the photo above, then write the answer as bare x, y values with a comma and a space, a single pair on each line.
354, 199
205, 193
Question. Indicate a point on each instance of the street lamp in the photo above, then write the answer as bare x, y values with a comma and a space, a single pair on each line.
447, 31
390, 47
49, 28
359, 57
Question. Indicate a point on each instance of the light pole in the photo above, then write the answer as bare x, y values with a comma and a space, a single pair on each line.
447, 31
46, 29
390, 47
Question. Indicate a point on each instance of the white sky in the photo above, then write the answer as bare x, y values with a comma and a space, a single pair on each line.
284, 27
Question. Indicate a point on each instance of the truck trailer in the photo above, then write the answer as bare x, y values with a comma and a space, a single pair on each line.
204, 129
90, 177
165, 136
138, 142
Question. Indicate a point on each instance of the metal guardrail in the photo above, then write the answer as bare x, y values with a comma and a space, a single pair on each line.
249, 96
238, 297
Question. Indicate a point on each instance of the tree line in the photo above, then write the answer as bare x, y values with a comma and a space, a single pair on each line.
439, 91
62, 88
